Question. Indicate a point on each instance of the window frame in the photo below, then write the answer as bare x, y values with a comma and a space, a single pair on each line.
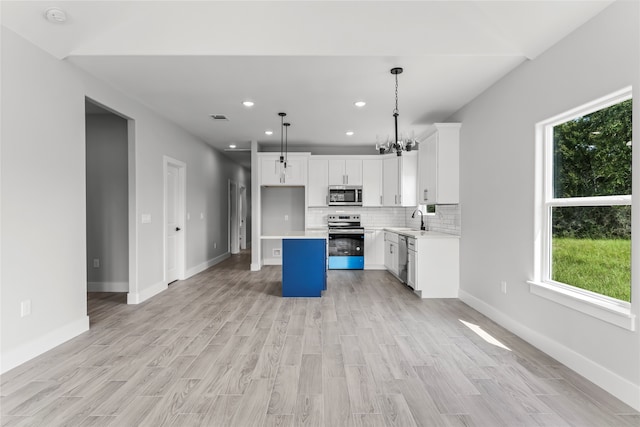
597, 305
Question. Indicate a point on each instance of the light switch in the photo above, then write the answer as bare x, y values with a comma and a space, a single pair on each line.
146, 218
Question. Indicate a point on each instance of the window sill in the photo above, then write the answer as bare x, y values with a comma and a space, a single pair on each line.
608, 312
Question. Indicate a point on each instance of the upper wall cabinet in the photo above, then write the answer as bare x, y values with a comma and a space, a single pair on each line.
345, 172
399, 174
372, 182
318, 188
272, 172
439, 166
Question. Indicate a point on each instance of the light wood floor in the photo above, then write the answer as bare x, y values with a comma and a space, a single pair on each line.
223, 349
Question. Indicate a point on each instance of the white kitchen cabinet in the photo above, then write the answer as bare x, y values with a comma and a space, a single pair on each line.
437, 267
411, 263
400, 179
391, 252
272, 171
373, 249
372, 182
318, 188
439, 166
345, 172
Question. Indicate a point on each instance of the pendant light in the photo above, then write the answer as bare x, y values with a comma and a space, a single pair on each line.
286, 142
396, 143
282, 115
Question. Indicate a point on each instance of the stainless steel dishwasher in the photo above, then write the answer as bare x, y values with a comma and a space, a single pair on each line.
403, 257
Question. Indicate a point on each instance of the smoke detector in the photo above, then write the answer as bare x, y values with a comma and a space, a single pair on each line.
55, 15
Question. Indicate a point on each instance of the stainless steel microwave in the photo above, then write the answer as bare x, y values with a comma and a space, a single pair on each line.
345, 195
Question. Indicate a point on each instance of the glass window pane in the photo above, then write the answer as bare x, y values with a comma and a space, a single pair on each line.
592, 154
591, 249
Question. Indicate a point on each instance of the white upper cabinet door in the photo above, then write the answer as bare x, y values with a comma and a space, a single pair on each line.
408, 179
318, 188
390, 175
345, 172
439, 166
272, 172
372, 182
270, 167
353, 171
336, 172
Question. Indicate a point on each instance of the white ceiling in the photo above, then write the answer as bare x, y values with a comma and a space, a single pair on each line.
310, 59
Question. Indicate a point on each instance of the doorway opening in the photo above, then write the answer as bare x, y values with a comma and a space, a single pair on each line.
237, 217
108, 146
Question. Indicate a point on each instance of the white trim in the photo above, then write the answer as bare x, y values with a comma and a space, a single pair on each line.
207, 264
256, 267
27, 351
618, 314
108, 286
146, 293
611, 382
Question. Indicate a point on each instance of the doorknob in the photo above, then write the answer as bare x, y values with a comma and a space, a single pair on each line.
177, 228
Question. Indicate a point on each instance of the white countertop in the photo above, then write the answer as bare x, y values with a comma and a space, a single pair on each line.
418, 234
307, 234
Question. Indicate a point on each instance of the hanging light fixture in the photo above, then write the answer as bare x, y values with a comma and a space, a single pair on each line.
286, 143
282, 115
396, 142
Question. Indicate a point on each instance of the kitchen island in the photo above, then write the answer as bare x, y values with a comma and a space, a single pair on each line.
304, 263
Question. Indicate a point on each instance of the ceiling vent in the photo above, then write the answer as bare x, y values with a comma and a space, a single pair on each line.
219, 117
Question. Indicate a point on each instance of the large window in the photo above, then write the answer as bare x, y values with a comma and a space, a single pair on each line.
585, 201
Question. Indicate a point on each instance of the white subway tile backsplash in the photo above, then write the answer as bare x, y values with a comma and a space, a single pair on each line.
445, 220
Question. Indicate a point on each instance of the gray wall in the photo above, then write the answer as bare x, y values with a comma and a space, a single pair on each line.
497, 195
43, 210
107, 203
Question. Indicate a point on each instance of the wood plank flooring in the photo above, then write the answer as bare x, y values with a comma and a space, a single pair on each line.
224, 349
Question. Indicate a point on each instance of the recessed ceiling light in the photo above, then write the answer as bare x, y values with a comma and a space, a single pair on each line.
232, 145
247, 103
349, 133
268, 132
359, 103
55, 15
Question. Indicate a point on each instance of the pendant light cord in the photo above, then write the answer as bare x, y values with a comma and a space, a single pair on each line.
396, 109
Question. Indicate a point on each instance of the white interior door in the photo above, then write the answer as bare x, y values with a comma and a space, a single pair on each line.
242, 211
173, 222
234, 226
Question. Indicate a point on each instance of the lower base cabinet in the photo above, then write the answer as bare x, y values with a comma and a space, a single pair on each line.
374, 249
304, 267
437, 267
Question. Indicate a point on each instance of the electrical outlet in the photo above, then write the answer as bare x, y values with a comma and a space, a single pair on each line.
503, 286
215, 245
96, 263
25, 308
188, 216
286, 217
201, 215
276, 252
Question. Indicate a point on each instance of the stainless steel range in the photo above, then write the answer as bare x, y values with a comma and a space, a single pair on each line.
346, 242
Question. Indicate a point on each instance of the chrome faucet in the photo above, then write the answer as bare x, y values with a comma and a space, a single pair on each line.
413, 215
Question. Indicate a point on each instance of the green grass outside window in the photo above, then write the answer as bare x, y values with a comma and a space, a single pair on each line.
597, 265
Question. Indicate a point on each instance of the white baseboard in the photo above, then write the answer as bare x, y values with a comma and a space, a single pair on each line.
375, 267
25, 352
203, 266
108, 286
613, 383
145, 294
272, 261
